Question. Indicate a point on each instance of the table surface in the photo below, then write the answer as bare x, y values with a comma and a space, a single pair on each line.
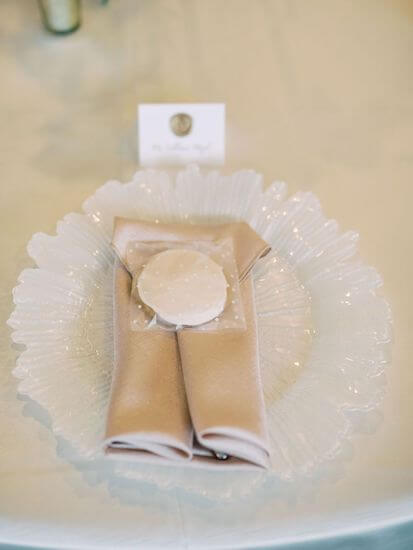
319, 94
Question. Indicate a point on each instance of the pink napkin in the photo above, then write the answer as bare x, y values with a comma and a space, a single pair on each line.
188, 397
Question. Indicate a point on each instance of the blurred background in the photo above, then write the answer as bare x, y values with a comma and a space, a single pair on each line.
318, 93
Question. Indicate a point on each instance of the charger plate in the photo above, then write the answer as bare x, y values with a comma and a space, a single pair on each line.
324, 330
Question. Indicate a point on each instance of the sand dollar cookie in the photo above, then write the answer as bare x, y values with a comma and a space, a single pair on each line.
183, 286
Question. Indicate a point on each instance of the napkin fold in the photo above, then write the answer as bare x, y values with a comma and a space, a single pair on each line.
189, 396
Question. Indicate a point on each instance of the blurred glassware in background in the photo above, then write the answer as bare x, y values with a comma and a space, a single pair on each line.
60, 16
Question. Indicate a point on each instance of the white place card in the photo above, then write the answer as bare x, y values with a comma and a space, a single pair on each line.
181, 133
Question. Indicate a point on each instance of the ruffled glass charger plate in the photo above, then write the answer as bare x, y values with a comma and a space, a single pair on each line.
324, 330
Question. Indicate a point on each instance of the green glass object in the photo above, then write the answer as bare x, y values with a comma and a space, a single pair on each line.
60, 16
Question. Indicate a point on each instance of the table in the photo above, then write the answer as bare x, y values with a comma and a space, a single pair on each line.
319, 94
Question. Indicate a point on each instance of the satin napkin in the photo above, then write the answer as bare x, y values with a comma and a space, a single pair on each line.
188, 397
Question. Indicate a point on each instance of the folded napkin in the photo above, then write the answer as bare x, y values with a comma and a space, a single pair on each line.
192, 397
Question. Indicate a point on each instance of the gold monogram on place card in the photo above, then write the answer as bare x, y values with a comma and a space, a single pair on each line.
181, 124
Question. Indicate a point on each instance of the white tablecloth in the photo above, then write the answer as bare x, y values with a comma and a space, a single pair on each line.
319, 94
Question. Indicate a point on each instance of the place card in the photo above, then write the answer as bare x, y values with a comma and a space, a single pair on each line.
181, 133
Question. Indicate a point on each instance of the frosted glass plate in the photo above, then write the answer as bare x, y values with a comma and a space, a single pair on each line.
324, 331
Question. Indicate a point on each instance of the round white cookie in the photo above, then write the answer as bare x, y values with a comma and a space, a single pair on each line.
184, 287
